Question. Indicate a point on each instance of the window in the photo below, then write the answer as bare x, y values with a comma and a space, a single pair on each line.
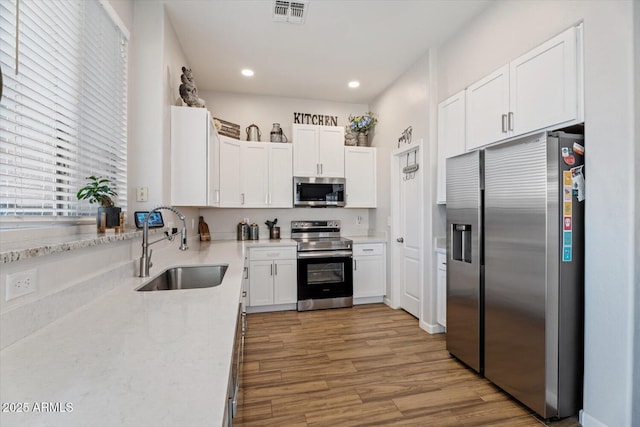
63, 112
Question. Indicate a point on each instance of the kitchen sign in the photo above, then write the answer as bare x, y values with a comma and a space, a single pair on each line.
314, 119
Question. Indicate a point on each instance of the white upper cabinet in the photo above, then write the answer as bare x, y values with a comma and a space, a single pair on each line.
331, 151
267, 179
254, 174
360, 176
193, 142
541, 89
451, 136
487, 108
318, 151
544, 84
229, 166
280, 175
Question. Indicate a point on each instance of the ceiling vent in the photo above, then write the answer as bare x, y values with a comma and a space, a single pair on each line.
292, 12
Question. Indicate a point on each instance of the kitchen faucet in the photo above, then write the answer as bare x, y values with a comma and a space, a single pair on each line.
145, 259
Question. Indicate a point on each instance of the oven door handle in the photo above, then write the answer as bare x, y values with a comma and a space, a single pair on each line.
325, 254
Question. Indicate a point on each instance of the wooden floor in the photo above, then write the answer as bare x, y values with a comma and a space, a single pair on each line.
366, 365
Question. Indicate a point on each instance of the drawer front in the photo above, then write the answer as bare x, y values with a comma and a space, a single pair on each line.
441, 259
364, 249
258, 254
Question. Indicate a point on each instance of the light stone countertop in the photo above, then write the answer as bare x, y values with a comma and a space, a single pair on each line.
368, 239
135, 358
31, 248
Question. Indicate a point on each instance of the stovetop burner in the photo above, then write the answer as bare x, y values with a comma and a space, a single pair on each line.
319, 236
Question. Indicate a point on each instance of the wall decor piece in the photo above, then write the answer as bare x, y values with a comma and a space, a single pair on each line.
188, 90
350, 137
314, 119
362, 125
405, 138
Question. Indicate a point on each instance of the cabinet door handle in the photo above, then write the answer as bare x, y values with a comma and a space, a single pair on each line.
399, 240
321, 169
504, 123
271, 273
242, 194
317, 168
217, 196
368, 250
511, 120
246, 272
355, 264
276, 269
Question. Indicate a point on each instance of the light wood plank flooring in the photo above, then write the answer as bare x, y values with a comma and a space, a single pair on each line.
366, 365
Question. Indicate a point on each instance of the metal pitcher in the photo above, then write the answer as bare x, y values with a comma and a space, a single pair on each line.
253, 133
277, 135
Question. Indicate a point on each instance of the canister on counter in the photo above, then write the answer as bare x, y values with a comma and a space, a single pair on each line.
274, 233
254, 232
243, 231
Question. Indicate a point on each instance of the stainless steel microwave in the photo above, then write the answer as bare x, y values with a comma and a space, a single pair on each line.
318, 192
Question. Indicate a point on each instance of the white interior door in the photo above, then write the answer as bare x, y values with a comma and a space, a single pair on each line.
409, 235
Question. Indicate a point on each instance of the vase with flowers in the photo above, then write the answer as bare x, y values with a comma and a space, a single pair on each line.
362, 125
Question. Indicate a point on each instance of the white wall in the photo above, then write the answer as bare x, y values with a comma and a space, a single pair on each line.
264, 111
124, 9
407, 102
636, 369
222, 222
509, 29
157, 58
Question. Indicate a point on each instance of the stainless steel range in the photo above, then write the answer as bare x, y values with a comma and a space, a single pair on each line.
325, 277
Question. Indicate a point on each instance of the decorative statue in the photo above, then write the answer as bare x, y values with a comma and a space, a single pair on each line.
188, 90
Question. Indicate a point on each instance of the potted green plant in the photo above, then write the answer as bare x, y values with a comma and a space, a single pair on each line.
100, 190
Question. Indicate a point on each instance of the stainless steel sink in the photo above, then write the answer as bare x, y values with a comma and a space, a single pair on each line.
187, 277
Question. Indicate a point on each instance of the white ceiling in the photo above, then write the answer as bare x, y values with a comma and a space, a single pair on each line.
373, 41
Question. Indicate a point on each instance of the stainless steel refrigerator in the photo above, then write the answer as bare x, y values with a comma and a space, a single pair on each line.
529, 279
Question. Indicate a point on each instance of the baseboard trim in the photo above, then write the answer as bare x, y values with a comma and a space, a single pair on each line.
387, 301
431, 328
587, 420
268, 308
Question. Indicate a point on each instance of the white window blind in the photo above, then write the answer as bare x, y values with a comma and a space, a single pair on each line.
63, 112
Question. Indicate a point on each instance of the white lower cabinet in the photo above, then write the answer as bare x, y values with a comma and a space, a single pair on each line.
441, 297
369, 270
272, 276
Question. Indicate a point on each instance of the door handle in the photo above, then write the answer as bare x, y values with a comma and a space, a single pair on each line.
271, 273
276, 269
504, 123
510, 120
321, 169
242, 194
355, 264
400, 240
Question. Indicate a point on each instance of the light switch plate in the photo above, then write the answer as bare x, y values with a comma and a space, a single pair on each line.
142, 194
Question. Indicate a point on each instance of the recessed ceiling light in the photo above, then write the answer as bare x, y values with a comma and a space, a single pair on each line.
247, 72
354, 84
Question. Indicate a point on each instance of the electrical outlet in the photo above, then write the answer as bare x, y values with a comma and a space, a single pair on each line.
21, 283
142, 194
